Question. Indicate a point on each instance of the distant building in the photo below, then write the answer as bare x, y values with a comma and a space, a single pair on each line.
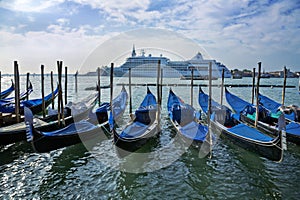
288, 75
104, 71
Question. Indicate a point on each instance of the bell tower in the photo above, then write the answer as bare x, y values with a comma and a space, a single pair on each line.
133, 54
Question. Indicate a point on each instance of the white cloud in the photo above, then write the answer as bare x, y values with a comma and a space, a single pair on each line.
117, 10
29, 5
153, 41
116, 5
251, 34
63, 21
35, 48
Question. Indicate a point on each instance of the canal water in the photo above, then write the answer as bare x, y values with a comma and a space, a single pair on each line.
171, 172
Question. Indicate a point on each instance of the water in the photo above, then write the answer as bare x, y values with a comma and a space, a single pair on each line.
76, 173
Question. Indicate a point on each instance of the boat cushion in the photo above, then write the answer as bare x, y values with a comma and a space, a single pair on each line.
176, 113
249, 110
250, 133
145, 115
276, 115
136, 129
101, 113
74, 128
194, 131
183, 114
293, 128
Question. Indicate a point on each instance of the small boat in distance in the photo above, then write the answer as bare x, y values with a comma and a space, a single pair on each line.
237, 76
199, 77
265, 75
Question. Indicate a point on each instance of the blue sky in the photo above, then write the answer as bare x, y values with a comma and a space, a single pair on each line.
236, 33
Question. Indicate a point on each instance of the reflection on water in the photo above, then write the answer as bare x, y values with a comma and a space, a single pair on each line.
77, 173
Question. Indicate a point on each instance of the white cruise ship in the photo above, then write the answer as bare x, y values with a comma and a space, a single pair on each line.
146, 66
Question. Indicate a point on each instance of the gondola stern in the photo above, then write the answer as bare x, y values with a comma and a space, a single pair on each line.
29, 123
200, 90
148, 90
282, 143
226, 90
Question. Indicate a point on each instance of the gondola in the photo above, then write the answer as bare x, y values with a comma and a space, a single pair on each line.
73, 112
70, 135
35, 105
8, 91
273, 106
240, 134
23, 96
85, 130
119, 104
141, 129
183, 118
267, 122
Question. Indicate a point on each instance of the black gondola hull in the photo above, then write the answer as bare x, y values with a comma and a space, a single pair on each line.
270, 150
270, 130
126, 146
10, 137
13, 136
38, 108
43, 143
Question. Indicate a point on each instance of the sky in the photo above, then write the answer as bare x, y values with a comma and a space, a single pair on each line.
237, 33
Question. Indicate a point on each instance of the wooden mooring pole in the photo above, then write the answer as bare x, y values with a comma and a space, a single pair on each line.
158, 91
52, 89
157, 81
59, 91
161, 83
253, 85
43, 91
257, 92
99, 86
284, 85
209, 108
192, 85
27, 84
60, 99
111, 91
66, 84
17, 91
222, 87
130, 97
76, 87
